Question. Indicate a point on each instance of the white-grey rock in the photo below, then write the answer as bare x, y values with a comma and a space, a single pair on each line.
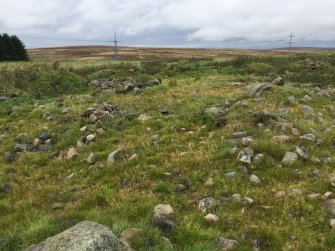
209, 182
230, 175
289, 158
116, 156
254, 179
301, 151
164, 217
91, 159
227, 244
306, 109
84, 236
206, 205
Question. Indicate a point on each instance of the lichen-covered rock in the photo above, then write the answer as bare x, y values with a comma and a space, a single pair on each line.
84, 236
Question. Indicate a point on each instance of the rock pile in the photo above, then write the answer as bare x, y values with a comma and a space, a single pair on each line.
119, 86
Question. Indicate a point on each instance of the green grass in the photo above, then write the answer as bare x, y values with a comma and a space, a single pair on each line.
191, 150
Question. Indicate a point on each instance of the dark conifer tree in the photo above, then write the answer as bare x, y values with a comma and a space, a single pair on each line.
12, 49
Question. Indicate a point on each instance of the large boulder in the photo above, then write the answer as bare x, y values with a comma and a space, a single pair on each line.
84, 236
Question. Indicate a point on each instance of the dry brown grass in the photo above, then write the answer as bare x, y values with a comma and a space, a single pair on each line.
92, 53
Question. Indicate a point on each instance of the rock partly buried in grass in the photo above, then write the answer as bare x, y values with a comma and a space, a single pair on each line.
246, 155
71, 153
227, 244
329, 205
6, 188
302, 152
211, 218
131, 235
219, 114
278, 81
9, 157
206, 205
91, 159
144, 117
289, 158
254, 179
123, 86
117, 155
306, 109
84, 236
164, 217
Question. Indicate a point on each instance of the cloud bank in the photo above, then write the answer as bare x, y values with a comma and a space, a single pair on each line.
232, 23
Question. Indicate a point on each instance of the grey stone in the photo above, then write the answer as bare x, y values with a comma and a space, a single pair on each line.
230, 175
206, 205
164, 217
209, 182
289, 158
329, 206
132, 234
91, 159
237, 135
227, 244
278, 81
254, 179
9, 157
246, 155
301, 151
291, 100
116, 156
308, 137
215, 111
84, 236
306, 109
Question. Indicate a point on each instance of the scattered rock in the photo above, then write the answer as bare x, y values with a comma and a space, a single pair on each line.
209, 182
164, 217
91, 159
296, 192
236, 197
306, 109
117, 155
295, 132
144, 117
230, 175
227, 244
280, 194
71, 153
90, 138
84, 236
212, 218
237, 135
258, 159
281, 138
9, 157
6, 188
289, 158
206, 205
332, 223
301, 151
246, 155
278, 81
247, 201
132, 234
329, 205
254, 180
291, 100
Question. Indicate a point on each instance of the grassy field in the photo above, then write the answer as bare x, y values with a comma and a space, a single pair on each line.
174, 152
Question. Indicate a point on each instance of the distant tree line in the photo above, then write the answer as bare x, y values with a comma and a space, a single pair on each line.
12, 48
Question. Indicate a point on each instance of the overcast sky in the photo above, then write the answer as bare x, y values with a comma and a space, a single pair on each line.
187, 23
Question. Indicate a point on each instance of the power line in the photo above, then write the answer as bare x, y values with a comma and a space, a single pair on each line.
290, 40
116, 49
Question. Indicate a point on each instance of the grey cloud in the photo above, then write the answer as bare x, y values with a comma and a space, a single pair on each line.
230, 23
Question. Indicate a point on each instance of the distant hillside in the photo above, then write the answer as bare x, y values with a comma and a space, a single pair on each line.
135, 53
